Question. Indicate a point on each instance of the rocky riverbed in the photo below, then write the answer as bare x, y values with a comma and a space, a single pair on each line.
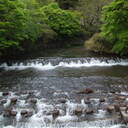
78, 93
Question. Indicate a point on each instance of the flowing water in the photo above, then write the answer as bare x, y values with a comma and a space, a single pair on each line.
53, 83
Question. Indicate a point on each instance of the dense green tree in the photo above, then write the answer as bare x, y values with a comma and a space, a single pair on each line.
63, 22
115, 27
12, 23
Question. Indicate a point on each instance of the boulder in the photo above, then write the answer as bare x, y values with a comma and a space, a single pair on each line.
123, 109
86, 91
5, 93
117, 107
120, 98
89, 111
9, 112
13, 113
87, 100
33, 101
25, 113
55, 114
102, 100
78, 111
13, 100
124, 117
3, 101
110, 109
62, 100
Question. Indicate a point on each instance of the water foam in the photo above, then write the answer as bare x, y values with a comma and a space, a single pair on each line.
62, 64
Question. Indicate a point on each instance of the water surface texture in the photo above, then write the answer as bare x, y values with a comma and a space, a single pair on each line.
47, 95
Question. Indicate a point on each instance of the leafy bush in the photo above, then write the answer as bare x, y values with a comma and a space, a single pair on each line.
115, 27
63, 22
12, 23
97, 44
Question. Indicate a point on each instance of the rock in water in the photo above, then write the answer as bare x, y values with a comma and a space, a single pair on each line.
25, 113
86, 91
55, 114
89, 111
13, 100
5, 93
110, 109
78, 111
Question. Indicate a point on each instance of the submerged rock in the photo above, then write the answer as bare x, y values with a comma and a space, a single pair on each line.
5, 93
102, 100
87, 100
86, 91
78, 111
62, 100
110, 109
26, 113
23, 112
33, 101
89, 111
13, 113
117, 107
9, 112
55, 114
120, 98
13, 100
3, 101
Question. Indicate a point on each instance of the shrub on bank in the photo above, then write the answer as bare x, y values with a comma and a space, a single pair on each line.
98, 44
115, 25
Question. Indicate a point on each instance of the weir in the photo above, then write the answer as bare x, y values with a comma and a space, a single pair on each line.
63, 93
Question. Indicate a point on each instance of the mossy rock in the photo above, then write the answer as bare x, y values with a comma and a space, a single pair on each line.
98, 44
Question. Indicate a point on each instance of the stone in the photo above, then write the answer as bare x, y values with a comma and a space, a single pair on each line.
13, 113
117, 108
26, 113
13, 100
123, 108
3, 101
120, 98
89, 111
110, 109
124, 117
102, 100
5, 93
63, 101
7, 112
123, 105
78, 111
86, 91
112, 91
87, 100
33, 101
29, 114
55, 114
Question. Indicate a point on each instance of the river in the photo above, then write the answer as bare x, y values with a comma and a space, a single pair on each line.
45, 92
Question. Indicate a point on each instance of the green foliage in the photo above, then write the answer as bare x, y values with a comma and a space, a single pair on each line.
25, 24
63, 22
12, 23
115, 27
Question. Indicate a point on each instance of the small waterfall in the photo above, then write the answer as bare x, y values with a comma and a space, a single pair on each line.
51, 64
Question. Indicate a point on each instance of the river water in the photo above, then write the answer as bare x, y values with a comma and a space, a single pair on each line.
47, 85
